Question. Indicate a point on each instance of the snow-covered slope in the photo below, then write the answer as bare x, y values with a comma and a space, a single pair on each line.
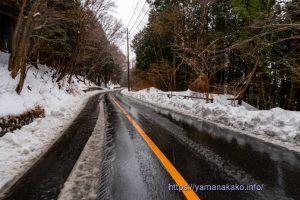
39, 88
21, 148
278, 125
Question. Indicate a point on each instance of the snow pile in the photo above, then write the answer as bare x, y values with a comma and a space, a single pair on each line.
276, 123
111, 85
21, 148
39, 89
84, 180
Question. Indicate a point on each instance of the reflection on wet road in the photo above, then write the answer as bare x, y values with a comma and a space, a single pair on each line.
203, 153
136, 172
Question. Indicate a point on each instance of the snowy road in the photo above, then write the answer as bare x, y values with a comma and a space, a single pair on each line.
46, 178
202, 153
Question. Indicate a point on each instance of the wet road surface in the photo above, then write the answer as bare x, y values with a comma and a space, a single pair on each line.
202, 152
46, 178
135, 171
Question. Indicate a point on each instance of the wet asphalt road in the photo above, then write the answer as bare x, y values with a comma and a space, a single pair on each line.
202, 152
136, 172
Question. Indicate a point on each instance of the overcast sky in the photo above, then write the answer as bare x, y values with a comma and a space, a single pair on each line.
124, 12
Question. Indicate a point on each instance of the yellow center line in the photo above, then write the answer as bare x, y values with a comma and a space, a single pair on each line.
180, 181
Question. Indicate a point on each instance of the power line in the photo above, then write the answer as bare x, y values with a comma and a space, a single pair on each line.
141, 20
138, 16
129, 12
135, 9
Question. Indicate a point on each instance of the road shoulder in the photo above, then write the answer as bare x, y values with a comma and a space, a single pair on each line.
84, 179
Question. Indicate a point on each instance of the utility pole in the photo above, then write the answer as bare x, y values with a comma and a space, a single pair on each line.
128, 62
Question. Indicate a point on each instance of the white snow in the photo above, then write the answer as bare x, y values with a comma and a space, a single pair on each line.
39, 88
84, 180
36, 14
111, 85
21, 148
276, 124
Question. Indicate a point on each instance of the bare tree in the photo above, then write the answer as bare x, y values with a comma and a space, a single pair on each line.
28, 12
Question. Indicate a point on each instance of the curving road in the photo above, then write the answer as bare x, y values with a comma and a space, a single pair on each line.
204, 155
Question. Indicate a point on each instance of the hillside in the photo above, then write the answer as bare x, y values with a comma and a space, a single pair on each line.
61, 101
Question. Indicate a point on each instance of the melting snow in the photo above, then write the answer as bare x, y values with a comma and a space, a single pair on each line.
21, 148
276, 124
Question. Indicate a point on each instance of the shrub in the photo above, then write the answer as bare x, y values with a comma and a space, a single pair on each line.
13, 122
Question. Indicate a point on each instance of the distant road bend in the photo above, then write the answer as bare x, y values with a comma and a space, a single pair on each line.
150, 151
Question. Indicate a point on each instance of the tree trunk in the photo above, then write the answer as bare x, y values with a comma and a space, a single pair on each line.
62, 74
22, 80
15, 37
21, 42
291, 100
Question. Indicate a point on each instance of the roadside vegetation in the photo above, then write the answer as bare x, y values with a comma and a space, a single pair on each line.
249, 49
13, 122
76, 38
49, 51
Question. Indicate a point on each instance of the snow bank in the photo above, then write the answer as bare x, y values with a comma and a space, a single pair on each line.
111, 85
39, 88
84, 180
276, 123
21, 148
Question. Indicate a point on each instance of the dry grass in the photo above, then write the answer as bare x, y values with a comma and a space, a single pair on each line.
13, 122
140, 85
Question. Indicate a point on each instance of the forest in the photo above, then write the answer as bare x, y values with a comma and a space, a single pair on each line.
247, 48
74, 37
